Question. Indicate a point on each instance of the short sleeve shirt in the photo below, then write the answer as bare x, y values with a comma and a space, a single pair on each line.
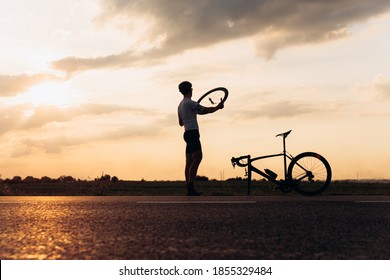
188, 110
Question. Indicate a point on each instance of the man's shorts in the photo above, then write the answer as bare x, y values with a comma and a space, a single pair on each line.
192, 139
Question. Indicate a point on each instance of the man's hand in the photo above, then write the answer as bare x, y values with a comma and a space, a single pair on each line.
220, 105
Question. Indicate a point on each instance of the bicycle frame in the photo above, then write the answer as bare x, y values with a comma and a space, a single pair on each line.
251, 168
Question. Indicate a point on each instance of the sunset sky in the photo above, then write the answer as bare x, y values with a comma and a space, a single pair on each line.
90, 86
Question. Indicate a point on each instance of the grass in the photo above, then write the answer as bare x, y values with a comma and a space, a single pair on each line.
173, 188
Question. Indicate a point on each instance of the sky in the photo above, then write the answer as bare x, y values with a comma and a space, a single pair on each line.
90, 87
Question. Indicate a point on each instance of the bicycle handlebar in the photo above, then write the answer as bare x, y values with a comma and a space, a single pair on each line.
238, 161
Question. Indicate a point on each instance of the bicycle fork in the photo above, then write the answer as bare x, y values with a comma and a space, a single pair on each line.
248, 174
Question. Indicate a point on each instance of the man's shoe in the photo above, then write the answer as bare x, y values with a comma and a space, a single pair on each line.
193, 193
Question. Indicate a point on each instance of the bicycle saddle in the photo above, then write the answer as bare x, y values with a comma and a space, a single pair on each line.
284, 134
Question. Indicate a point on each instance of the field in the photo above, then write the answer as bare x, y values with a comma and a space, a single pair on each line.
173, 188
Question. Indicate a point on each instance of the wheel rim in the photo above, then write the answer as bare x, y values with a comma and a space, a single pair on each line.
213, 97
311, 173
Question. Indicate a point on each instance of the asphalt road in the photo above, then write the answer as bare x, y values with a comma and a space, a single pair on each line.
194, 228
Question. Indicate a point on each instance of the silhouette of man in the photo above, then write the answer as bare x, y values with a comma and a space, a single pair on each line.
187, 113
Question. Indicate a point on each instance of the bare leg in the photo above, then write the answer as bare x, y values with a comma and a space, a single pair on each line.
193, 169
189, 161
192, 163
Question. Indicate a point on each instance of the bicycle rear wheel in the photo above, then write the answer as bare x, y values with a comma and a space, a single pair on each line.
310, 173
213, 97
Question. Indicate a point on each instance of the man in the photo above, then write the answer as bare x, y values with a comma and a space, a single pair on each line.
187, 113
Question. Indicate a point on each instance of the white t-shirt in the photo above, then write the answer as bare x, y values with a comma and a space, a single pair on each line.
188, 109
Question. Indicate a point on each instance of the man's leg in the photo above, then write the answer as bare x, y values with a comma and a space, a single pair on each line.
193, 169
196, 159
189, 161
193, 159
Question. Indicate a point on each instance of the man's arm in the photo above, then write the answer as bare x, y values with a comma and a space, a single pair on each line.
181, 123
209, 110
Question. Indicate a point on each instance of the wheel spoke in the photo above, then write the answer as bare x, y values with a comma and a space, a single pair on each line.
311, 172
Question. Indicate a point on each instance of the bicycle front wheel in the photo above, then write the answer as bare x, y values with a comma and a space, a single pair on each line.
310, 173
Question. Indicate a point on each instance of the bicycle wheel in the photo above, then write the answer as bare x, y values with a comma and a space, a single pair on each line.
310, 173
213, 97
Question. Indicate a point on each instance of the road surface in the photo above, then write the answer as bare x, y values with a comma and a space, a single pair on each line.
129, 227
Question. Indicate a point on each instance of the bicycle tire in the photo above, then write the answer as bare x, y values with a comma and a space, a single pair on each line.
310, 173
214, 97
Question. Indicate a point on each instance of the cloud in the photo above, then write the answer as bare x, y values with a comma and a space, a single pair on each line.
290, 109
381, 86
11, 117
52, 129
57, 144
41, 116
275, 110
100, 109
25, 117
177, 26
11, 85
77, 64
376, 90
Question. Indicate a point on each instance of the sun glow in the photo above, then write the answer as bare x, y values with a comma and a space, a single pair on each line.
59, 94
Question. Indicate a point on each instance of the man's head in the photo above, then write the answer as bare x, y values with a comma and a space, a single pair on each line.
185, 87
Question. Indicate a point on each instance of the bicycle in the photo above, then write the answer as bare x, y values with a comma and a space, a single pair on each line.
308, 173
